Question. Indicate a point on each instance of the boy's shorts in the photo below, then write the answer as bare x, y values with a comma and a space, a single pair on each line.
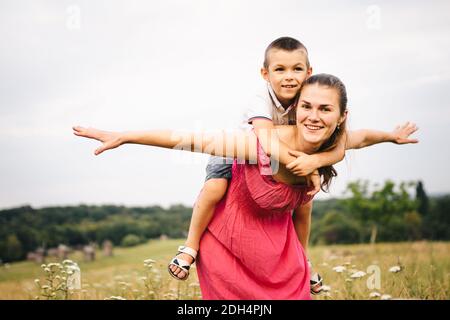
219, 168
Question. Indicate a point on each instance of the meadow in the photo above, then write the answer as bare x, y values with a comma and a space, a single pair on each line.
407, 270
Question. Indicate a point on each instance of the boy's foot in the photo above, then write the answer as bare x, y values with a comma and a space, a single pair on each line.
181, 263
315, 281
316, 284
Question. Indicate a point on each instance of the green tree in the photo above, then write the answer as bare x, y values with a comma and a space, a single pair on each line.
381, 207
335, 227
437, 222
13, 248
422, 199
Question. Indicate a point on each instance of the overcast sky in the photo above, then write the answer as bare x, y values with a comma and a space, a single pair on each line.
135, 65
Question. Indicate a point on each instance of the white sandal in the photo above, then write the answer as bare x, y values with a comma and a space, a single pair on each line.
181, 263
315, 281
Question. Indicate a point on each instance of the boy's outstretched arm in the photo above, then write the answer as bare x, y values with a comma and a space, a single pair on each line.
364, 138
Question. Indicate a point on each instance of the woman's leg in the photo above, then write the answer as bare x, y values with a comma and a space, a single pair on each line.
211, 193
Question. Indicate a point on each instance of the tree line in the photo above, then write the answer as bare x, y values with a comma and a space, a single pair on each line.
384, 213
367, 213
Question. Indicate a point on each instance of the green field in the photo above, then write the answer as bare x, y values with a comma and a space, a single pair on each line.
424, 274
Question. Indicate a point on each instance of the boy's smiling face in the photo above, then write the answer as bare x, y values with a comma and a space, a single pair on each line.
286, 72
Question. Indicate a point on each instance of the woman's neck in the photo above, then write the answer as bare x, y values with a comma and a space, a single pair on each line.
304, 146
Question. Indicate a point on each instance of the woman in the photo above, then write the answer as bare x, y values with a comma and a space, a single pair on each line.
251, 249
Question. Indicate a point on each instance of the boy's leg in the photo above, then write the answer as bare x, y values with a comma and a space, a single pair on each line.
215, 187
212, 192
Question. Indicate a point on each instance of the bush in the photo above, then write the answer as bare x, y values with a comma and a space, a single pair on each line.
130, 240
336, 227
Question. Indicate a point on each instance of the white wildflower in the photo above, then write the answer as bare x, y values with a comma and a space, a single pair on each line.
386, 297
374, 295
358, 274
149, 261
170, 296
395, 269
326, 288
115, 298
339, 269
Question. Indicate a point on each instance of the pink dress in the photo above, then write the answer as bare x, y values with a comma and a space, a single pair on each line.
250, 249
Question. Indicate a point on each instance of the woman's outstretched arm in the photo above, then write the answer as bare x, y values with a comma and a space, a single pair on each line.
236, 144
364, 138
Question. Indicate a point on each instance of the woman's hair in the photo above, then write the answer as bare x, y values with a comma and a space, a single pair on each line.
330, 81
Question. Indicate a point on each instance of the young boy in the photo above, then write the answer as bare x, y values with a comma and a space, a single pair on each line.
286, 66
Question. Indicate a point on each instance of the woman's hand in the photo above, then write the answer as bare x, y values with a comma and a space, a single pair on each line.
109, 139
402, 132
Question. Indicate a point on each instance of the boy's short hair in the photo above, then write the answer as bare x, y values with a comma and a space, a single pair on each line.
287, 44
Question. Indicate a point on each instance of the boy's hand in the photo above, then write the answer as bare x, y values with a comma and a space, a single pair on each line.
304, 165
110, 140
402, 132
313, 179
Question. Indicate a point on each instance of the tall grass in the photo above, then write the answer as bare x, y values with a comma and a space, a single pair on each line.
424, 273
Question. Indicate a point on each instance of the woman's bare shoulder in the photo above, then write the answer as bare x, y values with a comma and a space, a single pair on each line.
285, 132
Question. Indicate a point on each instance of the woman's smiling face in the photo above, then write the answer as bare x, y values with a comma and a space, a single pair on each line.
318, 113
